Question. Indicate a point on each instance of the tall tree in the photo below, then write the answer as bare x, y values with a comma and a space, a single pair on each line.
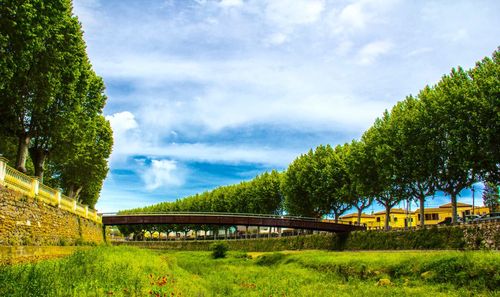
85, 166
491, 198
410, 143
486, 115
338, 186
383, 159
32, 35
304, 184
449, 112
360, 180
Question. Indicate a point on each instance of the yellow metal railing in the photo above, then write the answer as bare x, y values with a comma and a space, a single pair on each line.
31, 187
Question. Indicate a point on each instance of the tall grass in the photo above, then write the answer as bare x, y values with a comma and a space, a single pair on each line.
127, 271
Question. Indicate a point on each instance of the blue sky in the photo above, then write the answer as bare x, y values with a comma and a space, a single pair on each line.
209, 93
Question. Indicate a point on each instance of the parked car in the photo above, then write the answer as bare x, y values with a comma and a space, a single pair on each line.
488, 217
447, 221
471, 218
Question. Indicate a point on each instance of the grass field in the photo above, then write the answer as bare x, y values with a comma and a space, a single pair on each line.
127, 271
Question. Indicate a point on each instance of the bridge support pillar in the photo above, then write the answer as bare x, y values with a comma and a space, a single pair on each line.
246, 232
258, 231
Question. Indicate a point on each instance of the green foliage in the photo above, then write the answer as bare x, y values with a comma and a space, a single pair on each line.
219, 249
491, 198
52, 99
270, 259
261, 195
126, 271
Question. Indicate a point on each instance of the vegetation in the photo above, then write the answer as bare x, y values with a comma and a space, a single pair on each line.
126, 271
464, 237
219, 249
491, 198
51, 118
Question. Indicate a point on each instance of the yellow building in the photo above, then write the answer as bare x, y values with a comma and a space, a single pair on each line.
352, 218
400, 218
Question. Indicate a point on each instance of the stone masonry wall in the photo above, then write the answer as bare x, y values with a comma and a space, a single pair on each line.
28, 221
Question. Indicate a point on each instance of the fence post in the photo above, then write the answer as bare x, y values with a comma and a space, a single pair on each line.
3, 169
86, 211
58, 198
74, 206
35, 185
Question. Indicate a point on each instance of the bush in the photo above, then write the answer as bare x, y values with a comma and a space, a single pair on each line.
269, 259
219, 250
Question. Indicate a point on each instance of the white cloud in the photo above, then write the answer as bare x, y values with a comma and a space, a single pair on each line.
354, 16
122, 121
286, 13
162, 173
276, 39
231, 3
370, 52
125, 133
360, 15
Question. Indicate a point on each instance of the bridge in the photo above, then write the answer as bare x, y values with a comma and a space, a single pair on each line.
196, 218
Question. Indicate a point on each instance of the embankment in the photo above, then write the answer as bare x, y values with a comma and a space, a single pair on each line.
31, 222
464, 237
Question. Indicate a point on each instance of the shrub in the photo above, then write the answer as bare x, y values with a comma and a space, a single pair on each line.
219, 250
269, 259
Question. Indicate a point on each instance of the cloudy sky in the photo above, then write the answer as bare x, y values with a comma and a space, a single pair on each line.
209, 93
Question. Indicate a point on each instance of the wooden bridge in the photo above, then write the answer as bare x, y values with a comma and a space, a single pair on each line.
228, 219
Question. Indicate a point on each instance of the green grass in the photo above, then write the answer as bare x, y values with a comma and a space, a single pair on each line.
128, 271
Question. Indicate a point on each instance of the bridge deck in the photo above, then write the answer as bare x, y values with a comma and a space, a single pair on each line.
220, 219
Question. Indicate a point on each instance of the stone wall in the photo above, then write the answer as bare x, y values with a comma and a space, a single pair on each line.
28, 221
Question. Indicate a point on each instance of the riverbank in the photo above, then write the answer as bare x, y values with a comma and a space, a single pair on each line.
129, 271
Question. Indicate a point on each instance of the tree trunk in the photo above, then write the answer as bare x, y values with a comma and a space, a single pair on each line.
421, 198
387, 216
360, 211
454, 216
22, 152
39, 156
336, 217
74, 191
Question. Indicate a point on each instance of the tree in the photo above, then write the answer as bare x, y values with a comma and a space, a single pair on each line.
382, 160
359, 178
266, 193
449, 113
486, 115
491, 198
338, 185
304, 184
41, 45
417, 159
85, 165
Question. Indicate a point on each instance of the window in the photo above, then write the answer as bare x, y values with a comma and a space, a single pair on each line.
395, 219
431, 216
378, 219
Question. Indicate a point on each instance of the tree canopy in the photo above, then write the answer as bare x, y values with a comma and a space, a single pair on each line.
51, 99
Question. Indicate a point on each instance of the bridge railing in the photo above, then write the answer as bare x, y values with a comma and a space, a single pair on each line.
31, 187
251, 215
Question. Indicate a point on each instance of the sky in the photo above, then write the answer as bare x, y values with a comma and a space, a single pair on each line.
209, 93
